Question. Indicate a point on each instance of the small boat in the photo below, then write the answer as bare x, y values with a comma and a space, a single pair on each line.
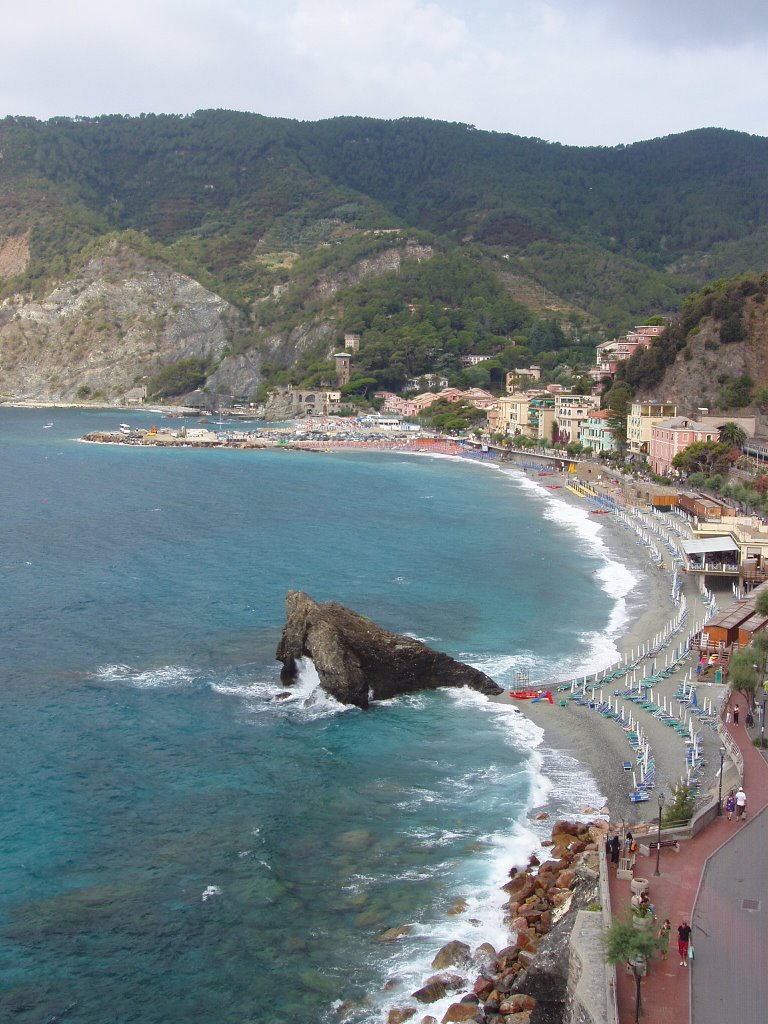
552, 487
524, 694
125, 428
47, 426
600, 512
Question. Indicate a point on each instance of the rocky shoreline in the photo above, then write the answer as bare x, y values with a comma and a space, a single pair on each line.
527, 981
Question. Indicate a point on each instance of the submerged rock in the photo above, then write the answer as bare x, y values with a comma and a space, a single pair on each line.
358, 661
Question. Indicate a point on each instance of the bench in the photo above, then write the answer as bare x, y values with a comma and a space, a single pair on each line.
666, 844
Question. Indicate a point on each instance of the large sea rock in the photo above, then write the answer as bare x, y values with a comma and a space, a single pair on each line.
358, 661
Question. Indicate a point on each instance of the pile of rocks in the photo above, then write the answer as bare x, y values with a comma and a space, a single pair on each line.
517, 985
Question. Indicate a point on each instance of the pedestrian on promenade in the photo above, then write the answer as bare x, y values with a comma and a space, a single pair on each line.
728, 715
613, 842
741, 803
735, 714
628, 843
749, 720
664, 938
683, 938
730, 805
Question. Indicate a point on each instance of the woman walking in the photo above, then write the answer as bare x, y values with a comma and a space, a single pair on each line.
730, 805
664, 938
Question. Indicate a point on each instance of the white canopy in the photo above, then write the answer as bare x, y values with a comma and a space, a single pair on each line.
709, 544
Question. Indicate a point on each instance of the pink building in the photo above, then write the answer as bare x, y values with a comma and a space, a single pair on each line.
672, 436
609, 354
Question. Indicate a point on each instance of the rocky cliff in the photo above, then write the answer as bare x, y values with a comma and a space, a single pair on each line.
118, 321
357, 661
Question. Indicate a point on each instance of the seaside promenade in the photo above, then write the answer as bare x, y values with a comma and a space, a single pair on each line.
718, 882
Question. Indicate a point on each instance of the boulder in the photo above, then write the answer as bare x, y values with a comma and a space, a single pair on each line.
400, 1014
517, 1003
452, 954
357, 660
430, 993
461, 1012
393, 934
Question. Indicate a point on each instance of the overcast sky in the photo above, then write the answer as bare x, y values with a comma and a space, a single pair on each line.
586, 72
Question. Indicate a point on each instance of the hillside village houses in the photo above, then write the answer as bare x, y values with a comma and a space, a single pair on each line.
608, 354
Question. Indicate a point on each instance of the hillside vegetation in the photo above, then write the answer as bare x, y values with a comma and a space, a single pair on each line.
433, 239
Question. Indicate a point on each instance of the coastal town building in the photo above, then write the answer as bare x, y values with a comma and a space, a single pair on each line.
608, 354
352, 342
473, 360
597, 434
512, 414
136, 396
541, 416
343, 361
427, 380
671, 436
571, 411
643, 416
515, 377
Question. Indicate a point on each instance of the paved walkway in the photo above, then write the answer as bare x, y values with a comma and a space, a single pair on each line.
723, 932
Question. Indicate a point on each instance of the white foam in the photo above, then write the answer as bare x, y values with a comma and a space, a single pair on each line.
163, 677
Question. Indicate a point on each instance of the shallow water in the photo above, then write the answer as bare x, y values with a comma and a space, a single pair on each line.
147, 766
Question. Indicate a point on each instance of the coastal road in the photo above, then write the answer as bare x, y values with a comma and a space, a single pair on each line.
730, 930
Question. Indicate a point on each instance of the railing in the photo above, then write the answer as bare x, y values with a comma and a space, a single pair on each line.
610, 970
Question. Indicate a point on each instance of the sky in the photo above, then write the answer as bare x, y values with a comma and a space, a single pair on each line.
581, 72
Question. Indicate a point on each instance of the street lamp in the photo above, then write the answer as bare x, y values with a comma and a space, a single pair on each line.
720, 787
658, 836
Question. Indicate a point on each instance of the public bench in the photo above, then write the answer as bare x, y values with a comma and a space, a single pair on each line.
666, 844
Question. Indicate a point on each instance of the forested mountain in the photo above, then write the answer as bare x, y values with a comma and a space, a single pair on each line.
430, 237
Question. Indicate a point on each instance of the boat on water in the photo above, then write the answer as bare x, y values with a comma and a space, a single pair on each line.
125, 428
47, 426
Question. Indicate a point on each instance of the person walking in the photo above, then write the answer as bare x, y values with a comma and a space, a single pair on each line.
664, 938
741, 804
728, 716
735, 714
730, 805
749, 720
614, 845
683, 938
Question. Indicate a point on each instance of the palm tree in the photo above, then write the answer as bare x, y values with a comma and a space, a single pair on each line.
732, 434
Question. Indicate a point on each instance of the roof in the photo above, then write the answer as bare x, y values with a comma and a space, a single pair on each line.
708, 544
685, 423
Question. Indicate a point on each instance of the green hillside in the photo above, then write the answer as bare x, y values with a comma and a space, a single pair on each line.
281, 219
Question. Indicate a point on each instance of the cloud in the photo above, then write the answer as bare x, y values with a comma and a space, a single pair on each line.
577, 71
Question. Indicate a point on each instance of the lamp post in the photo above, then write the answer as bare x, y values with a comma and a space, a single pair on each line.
658, 835
720, 786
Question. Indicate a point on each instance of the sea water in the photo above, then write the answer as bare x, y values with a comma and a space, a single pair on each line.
176, 845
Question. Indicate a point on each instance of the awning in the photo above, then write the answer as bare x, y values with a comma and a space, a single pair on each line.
709, 545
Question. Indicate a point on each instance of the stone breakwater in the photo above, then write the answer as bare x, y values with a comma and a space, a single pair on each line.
527, 981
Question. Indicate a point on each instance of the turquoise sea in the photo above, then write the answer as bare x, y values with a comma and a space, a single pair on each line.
177, 846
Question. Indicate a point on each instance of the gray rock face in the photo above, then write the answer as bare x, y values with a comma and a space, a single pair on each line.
121, 319
357, 661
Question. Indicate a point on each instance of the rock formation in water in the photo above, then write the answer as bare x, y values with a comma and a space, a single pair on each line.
357, 661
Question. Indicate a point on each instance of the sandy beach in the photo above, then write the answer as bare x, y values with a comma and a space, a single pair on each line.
599, 743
